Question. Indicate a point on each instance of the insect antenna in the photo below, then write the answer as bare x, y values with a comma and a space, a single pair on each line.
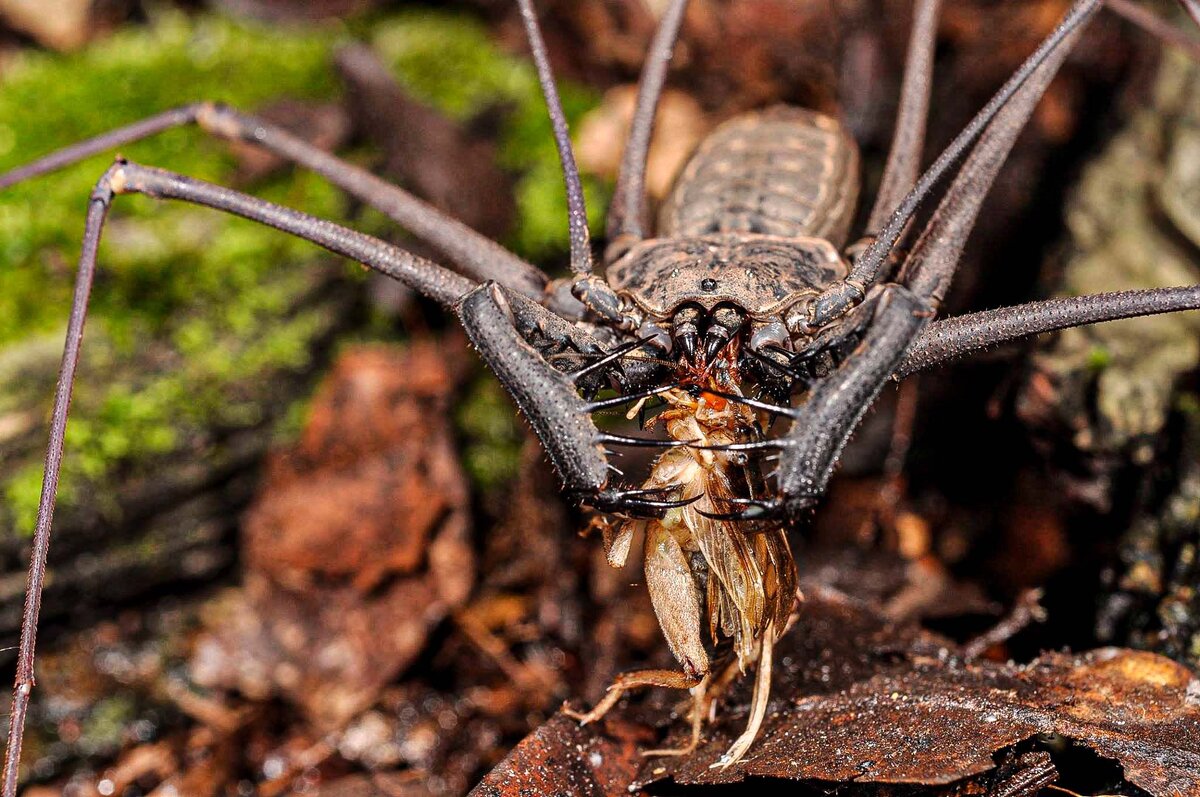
581, 245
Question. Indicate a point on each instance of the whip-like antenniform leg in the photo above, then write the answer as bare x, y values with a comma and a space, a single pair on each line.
930, 267
581, 244
908, 140
588, 288
627, 213
822, 425
834, 301
439, 284
956, 337
476, 255
1156, 25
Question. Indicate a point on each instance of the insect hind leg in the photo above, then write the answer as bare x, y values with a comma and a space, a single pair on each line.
635, 679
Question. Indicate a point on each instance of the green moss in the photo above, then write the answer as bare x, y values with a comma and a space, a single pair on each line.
492, 434
48, 101
194, 314
196, 294
103, 729
450, 62
1098, 359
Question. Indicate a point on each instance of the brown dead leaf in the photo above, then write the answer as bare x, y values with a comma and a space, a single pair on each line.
357, 545
563, 758
857, 699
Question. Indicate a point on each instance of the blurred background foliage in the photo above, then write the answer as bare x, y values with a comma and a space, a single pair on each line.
226, 306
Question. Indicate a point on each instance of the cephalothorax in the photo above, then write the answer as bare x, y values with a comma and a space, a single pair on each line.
746, 291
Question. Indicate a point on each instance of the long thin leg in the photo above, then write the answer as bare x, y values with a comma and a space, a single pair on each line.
835, 300
908, 141
440, 284
930, 267
1156, 25
956, 337
127, 178
591, 290
476, 255
867, 269
581, 246
23, 684
627, 213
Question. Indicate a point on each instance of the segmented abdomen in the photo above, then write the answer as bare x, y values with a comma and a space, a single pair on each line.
784, 171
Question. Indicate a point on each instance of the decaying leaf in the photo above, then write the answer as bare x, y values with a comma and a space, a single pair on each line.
860, 700
376, 550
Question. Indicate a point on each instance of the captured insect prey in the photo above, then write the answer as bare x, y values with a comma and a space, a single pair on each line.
751, 321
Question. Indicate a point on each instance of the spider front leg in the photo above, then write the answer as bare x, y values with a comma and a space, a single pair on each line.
435, 282
476, 255
547, 397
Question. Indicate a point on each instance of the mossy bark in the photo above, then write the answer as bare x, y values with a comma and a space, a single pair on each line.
205, 331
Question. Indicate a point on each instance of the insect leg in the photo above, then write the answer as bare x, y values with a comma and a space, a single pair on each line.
700, 705
126, 178
476, 255
955, 337
670, 679
627, 213
908, 140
